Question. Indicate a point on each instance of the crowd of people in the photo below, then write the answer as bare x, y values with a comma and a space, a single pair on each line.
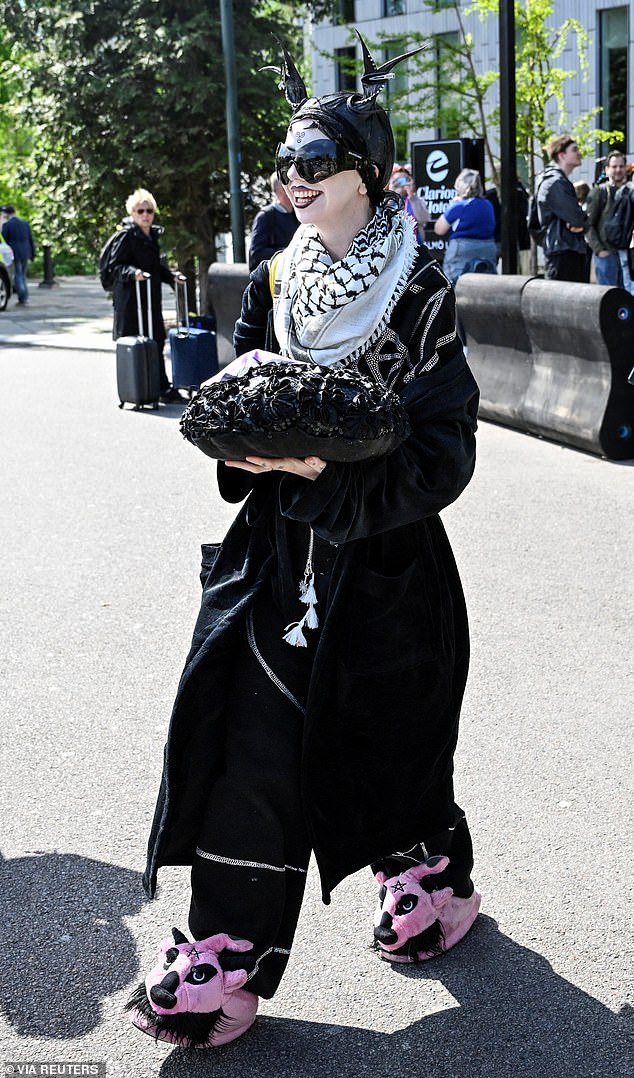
573, 217
579, 241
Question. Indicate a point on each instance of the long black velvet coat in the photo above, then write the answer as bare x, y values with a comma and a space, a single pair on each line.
392, 656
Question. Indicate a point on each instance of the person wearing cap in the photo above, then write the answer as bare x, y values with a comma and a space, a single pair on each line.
17, 233
338, 740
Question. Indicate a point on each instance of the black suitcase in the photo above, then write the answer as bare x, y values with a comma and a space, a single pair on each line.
138, 362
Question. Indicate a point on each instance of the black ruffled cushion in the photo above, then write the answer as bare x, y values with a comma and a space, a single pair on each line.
286, 409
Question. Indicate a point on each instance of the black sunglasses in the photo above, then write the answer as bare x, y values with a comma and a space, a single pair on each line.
316, 160
143, 210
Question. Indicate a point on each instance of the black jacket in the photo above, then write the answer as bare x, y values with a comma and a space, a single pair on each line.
559, 207
392, 656
132, 250
18, 235
273, 230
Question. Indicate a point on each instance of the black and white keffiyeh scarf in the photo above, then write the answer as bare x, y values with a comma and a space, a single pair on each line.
329, 312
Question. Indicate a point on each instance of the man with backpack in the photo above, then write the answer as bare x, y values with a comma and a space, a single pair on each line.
560, 215
611, 223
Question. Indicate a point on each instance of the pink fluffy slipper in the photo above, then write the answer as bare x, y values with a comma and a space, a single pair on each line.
194, 996
412, 924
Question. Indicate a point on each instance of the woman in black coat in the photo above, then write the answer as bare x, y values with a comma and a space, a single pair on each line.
134, 253
332, 733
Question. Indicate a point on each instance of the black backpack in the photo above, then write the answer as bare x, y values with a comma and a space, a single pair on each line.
618, 229
536, 230
106, 273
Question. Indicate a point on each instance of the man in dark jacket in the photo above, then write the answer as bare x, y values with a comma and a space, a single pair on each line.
601, 203
17, 234
561, 214
273, 227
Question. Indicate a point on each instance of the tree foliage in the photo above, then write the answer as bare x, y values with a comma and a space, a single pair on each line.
118, 94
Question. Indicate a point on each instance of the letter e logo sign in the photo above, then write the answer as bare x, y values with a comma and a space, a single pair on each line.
437, 166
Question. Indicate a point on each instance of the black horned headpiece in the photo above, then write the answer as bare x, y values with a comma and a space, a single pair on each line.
356, 121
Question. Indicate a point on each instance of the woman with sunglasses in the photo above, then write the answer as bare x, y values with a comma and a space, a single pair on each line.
133, 253
343, 745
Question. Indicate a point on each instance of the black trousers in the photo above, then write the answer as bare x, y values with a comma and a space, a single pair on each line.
249, 873
566, 266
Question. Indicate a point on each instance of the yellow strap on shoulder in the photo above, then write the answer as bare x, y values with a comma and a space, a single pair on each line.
273, 268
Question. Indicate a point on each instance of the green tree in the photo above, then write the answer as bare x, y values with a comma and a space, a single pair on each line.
541, 81
448, 92
123, 93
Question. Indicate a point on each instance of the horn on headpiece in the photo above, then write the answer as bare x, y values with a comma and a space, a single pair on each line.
291, 82
374, 78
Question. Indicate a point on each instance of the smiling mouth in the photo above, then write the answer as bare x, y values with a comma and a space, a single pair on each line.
303, 196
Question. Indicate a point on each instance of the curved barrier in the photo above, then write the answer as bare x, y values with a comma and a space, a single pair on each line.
226, 282
552, 358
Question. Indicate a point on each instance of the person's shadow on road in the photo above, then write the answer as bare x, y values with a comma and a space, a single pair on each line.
64, 946
514, 1018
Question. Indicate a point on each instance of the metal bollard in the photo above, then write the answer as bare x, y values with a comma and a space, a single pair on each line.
49, 279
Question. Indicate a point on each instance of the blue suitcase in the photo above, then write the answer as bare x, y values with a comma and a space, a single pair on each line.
193, 351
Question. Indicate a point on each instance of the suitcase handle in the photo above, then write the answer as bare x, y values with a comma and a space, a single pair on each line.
139, 311
181, 281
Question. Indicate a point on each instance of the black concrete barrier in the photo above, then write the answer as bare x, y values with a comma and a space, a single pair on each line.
552, 358
226, 282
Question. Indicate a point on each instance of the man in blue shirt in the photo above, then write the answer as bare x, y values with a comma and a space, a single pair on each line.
17, 234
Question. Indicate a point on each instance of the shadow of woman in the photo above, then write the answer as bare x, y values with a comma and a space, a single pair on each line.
514, 1018
64, 944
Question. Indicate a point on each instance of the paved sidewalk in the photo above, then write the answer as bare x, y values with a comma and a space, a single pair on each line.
73, 313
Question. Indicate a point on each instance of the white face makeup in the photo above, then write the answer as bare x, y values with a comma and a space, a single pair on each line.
325, 203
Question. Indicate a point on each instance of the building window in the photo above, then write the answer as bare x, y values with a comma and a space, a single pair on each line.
345, 11
393, 7
613, 72
448, 104
345, 71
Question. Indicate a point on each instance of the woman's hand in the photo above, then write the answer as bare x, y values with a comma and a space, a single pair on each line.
309, 468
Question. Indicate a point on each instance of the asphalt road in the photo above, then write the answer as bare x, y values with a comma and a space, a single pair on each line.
101, 515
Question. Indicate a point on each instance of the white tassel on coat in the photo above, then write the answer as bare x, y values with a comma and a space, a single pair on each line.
295, 637
294, 632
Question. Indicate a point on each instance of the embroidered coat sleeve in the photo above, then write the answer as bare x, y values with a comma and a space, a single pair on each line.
424, 475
